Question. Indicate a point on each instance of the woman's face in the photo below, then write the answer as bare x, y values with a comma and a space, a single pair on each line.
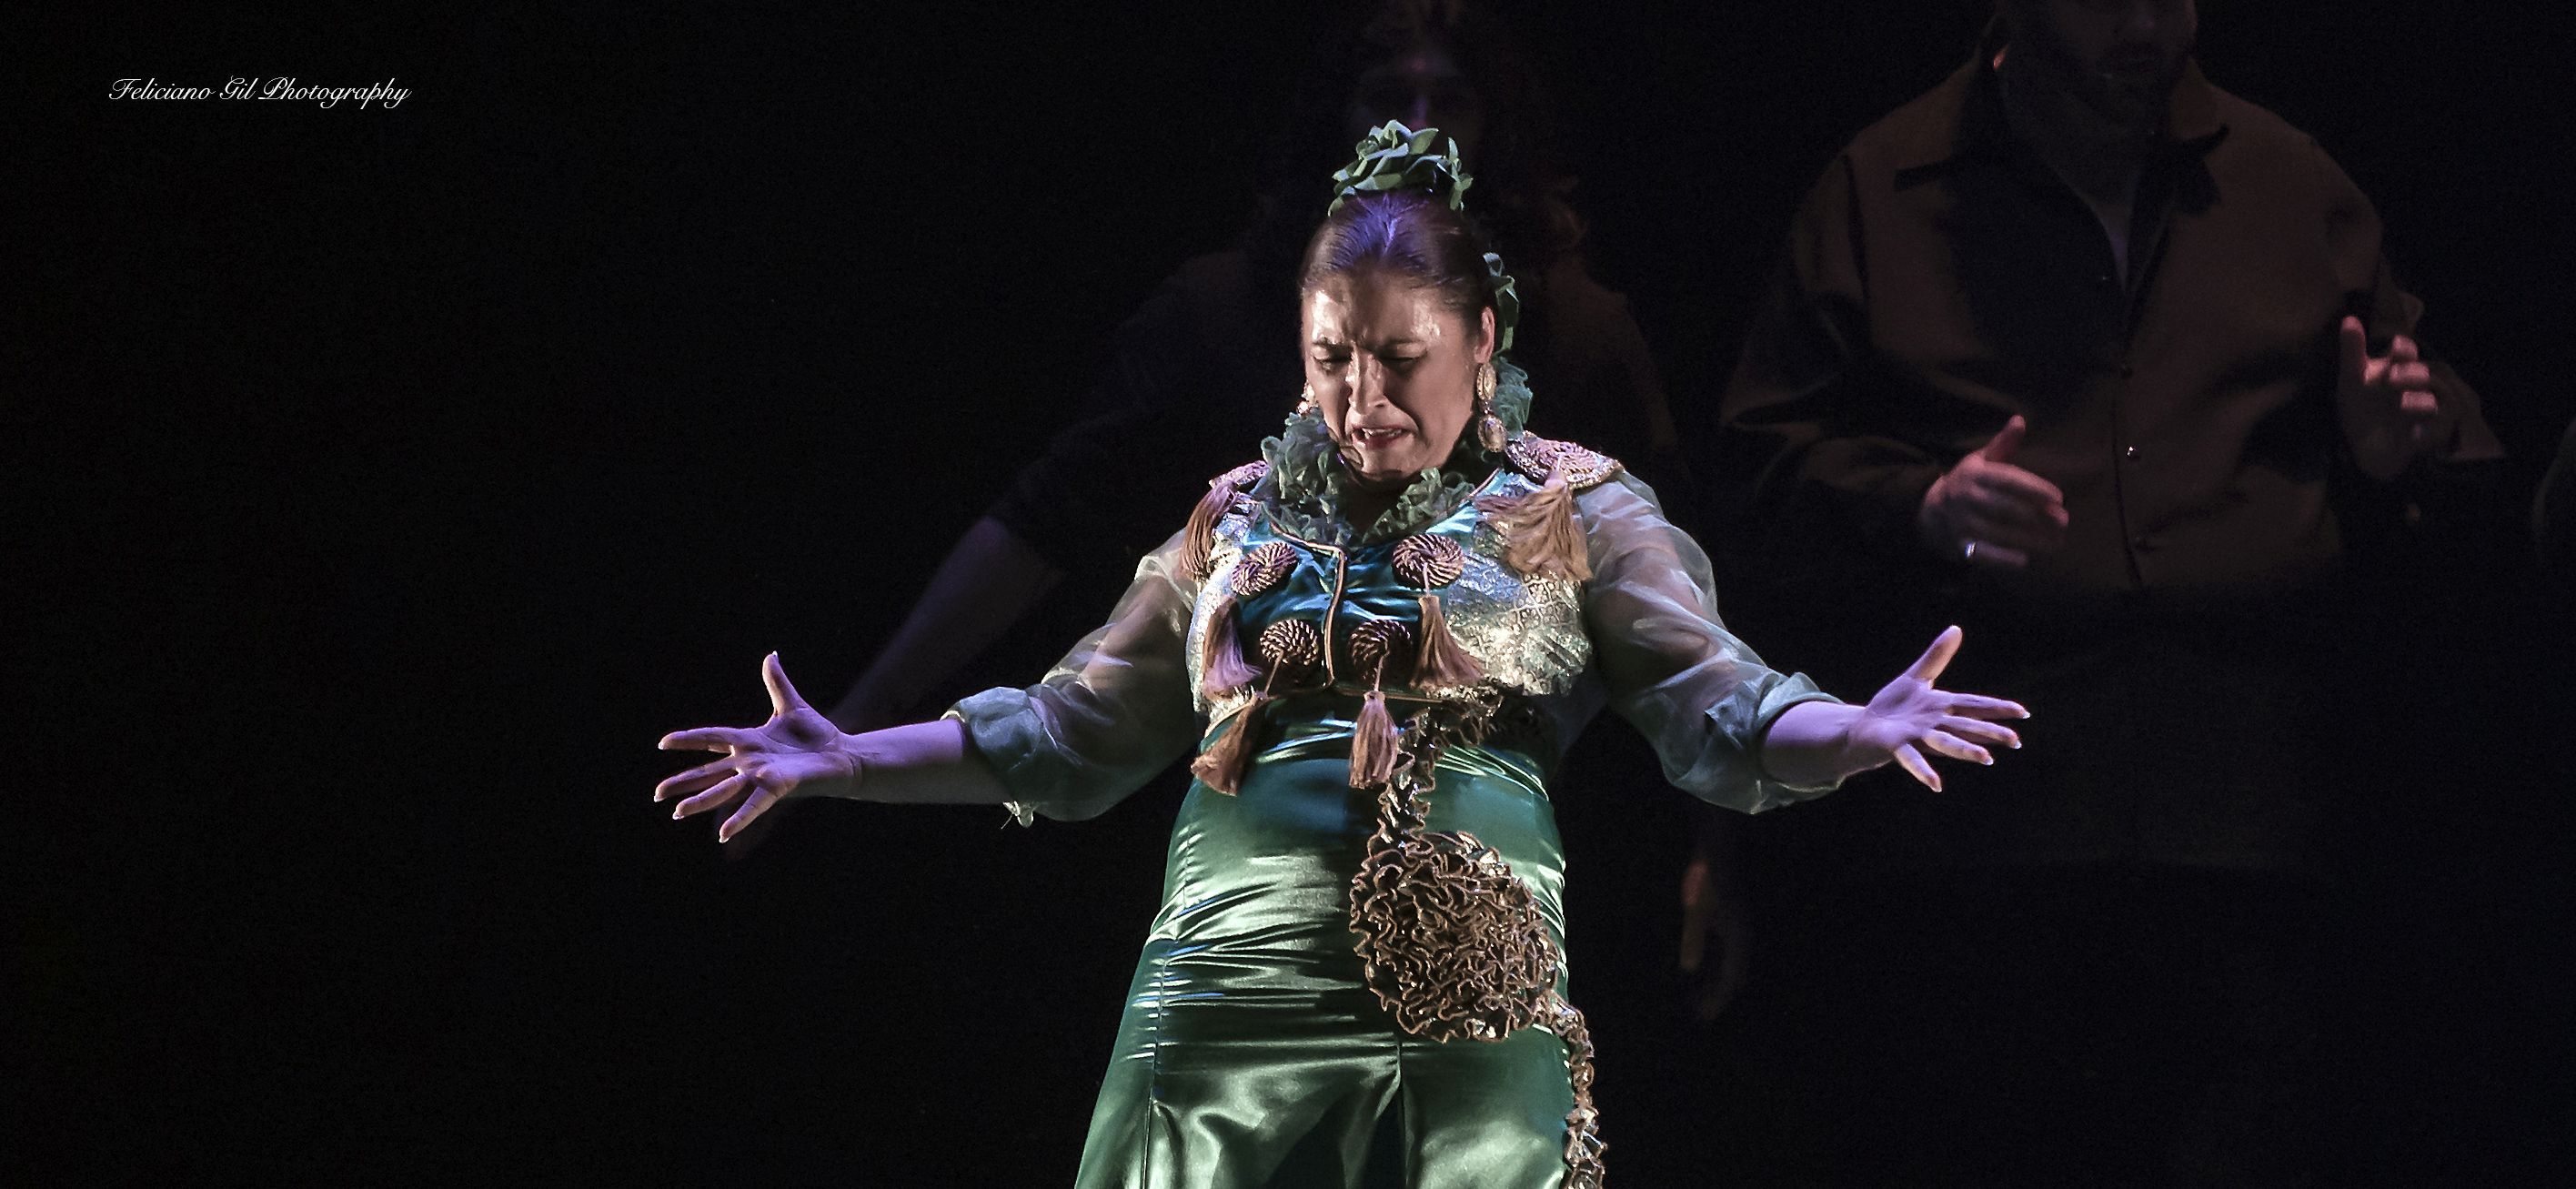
1394, 371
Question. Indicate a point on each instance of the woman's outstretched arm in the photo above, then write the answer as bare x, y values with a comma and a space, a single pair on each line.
799, 753
1730, 729
1821, 742
1115, 711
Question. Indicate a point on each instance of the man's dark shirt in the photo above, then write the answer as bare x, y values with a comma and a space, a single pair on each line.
1940, 278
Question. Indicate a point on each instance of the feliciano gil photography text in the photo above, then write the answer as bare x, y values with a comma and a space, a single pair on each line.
290, 88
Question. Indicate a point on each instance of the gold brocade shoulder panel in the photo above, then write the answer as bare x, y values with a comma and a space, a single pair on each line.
1241, 478
1535, 456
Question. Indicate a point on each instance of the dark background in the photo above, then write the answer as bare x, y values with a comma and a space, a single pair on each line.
400, 476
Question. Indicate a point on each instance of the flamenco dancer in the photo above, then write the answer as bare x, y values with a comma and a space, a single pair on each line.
1377, 640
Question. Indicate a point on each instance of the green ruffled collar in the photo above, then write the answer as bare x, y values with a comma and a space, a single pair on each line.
1305, 485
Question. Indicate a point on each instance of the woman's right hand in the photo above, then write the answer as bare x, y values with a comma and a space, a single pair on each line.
797, 749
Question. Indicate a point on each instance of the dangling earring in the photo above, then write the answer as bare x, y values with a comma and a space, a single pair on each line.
1489, 428
1305, 401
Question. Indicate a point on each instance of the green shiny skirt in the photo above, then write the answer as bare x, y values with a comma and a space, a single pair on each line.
1252, 1054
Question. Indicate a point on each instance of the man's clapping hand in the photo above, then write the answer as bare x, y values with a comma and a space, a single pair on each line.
1988, 512
2389, 410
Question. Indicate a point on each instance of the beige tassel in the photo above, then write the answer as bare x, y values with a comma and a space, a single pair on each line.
1441, 662
1373, 744
1221, 767
1222, 668
1541, 535
1198, 540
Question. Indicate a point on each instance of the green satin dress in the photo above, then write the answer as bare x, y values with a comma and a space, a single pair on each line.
1251, 1053
1257, 1047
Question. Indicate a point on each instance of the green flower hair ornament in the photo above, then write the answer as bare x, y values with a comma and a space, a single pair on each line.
1395, 157
1398, 158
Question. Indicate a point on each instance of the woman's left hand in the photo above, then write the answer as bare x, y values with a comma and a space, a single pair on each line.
1910, 716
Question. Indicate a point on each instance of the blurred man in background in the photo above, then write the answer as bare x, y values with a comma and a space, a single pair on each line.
2112, 360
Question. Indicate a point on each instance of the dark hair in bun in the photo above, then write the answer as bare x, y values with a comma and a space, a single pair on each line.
1400, 207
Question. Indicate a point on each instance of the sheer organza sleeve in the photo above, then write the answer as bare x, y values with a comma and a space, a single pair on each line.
1111, 714
1700, 696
